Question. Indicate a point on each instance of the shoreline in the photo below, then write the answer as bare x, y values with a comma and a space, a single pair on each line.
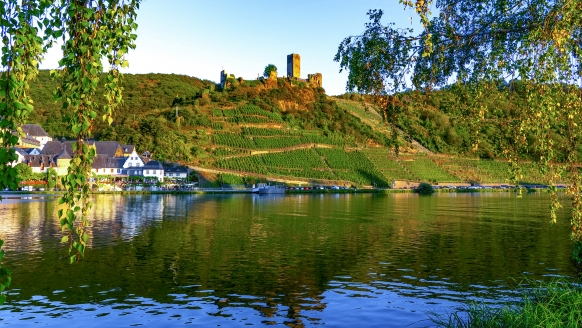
214, 191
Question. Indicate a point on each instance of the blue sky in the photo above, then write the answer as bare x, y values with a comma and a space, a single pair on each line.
199, 38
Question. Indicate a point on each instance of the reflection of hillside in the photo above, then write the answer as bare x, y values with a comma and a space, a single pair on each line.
278, 254
24, 223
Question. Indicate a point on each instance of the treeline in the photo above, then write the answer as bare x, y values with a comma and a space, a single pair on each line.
454, 119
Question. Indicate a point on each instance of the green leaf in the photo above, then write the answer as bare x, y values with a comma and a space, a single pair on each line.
65, 239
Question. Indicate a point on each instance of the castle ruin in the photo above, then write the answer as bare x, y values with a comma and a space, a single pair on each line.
294, 65
293, 73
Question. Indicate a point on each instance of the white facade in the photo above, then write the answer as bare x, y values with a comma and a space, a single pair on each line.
133, 160
107, 171
19, 160
154, 174
43, 140
176, 175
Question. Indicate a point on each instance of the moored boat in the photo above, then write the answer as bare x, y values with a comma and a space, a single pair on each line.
271, 190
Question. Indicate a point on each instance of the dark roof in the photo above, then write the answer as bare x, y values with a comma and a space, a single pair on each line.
108, 148
56, 147
37, 160
175, 169
153, 165
34, 130
30, 141
128, 149
64, 154
21, 151
104, 162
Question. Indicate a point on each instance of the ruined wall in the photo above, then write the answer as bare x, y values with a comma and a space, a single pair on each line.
294, 65
316, 80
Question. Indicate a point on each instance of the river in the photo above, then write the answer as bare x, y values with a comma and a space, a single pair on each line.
346, 260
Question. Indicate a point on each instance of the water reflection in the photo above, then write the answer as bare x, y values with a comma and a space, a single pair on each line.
297, 260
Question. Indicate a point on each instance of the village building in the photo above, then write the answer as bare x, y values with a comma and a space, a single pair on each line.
40, 152
34, 136
153, 169
175, 172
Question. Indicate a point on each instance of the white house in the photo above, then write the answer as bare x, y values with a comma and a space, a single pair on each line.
175, 172
21, 154
152, 169
35, 131
133, 160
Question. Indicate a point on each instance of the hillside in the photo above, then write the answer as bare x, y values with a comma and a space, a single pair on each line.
286, 130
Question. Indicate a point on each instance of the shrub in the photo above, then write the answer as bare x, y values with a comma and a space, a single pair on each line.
424, 189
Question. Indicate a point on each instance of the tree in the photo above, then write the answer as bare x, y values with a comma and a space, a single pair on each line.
482, 45
268, 69
51, 178
90, 31
425, 189
23, 171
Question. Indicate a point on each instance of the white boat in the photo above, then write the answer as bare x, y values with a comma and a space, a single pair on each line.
271, 190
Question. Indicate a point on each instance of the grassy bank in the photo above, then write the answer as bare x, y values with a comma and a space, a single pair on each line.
554, 304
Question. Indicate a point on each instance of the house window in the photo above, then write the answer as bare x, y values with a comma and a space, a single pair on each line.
171, 174
118, 170
147, 171
111, 171
154, 171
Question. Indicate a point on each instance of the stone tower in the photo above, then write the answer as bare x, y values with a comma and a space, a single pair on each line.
294, 65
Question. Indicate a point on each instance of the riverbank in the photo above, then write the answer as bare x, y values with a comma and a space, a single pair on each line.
294, 191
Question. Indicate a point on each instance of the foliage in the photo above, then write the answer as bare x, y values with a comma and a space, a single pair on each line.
23, 172
51, 177
479, 47
424, 169
352, 166
89, 31
425, 189
553, 304
93, 30
268, 69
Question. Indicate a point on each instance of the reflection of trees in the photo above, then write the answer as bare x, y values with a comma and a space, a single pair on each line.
278, 254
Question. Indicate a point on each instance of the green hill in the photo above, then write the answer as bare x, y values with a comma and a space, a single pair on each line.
288, 130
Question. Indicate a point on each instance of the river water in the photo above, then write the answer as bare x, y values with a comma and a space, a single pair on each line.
344, 260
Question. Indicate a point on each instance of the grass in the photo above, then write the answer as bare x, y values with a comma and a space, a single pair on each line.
557, 303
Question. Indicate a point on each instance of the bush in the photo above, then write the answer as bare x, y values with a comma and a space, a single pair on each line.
552, 304
268, 69
424, 189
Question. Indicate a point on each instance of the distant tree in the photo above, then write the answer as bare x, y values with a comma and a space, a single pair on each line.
51, 178
24, 172
425, 189
268, 69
